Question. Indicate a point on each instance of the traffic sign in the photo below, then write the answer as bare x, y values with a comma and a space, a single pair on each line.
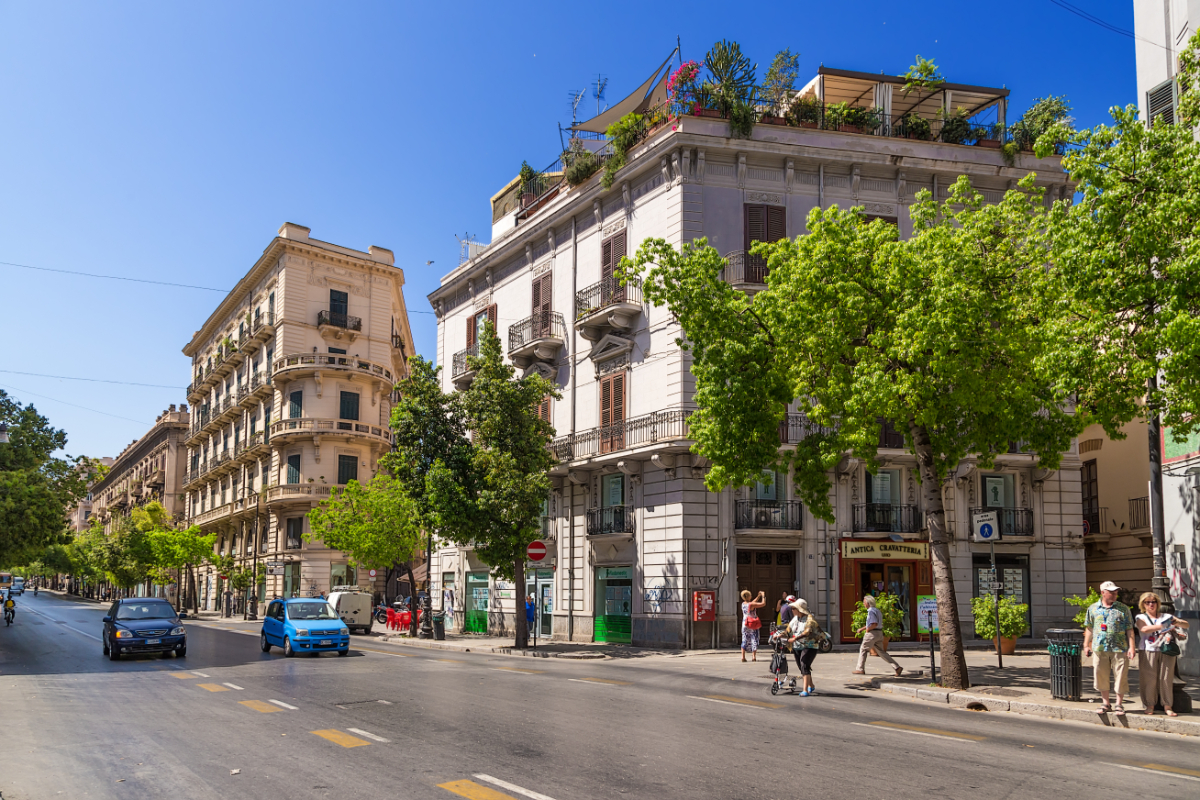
371, 572
536, 551
274, 563
986, 526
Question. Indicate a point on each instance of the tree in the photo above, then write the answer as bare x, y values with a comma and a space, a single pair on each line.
179, 551
780, 81
938, 334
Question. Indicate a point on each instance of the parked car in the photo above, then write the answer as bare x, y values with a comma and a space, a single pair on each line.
353, 605
138, 625
304, 625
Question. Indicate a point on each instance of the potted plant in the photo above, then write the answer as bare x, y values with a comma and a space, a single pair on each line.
1013, 621
955, 127
988, 135
893, 617
622, 135
731, 85
528, 190
778, 85
805, 112
682, 88
916, 127
580, 163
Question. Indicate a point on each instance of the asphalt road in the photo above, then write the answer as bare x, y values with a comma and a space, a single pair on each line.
406, 722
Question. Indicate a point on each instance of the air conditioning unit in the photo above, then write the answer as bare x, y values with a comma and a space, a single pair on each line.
762, 518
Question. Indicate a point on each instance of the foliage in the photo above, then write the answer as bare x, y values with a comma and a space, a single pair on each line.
529, 178
1045, 113
956, 129
1014, 619
173, 549
994, 131
376, 524
916, 126
742, 117
780, 80
580, 163
732, 75
623, 134
889, 607
804, 109
843, 113
682, 88
1083, 604
923, 75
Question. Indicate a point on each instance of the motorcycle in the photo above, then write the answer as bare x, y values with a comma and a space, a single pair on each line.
10, 614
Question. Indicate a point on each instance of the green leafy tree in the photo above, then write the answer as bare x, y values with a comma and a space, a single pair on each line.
938, 334
780, 80
179, 551
923, 75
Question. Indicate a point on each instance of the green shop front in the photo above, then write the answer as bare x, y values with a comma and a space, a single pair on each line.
614, 605
475, 603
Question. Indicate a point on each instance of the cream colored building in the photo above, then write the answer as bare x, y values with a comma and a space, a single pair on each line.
149, 469
293, 375
78, 519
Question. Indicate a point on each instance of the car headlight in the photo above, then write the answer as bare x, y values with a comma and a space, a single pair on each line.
177, 631
302, 631
120, 634
344, 631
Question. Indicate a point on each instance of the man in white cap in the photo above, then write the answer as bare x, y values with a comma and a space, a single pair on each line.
1108, 640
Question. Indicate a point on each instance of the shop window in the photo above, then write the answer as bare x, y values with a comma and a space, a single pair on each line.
341, 575
999, 491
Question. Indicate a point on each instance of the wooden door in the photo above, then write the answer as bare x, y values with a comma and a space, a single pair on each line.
542, 295
848, 595
612, 412
772, 572
612, 250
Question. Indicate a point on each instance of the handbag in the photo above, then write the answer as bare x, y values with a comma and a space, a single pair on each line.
753, 622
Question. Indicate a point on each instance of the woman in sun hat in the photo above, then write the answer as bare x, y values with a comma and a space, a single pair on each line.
804, 636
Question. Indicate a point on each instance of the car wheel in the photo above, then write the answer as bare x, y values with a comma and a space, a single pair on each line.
104, 644
264, 643
180, 652
345, 652
367, 631
287, 647
113, 655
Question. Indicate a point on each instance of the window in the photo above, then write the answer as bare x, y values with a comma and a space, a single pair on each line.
542, 297
337, 351
296, 405
271, 303
349, 405
1160, 102
293, 469
612, 490
295, 527
1090, 484
475, 324
999, 491
544, 409
612, 412
347, 469
253, 422
341, 575
612, 250
339, 303
762, 224
883, 488
770, 487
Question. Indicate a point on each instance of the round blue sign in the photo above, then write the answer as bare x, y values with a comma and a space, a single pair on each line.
986, 530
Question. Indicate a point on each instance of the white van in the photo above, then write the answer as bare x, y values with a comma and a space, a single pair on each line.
353, 605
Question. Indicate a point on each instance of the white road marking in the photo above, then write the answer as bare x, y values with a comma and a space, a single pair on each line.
63, 622
726, 702
282, 704
368, 735
512, 787
234, 686
201, 674
1162, 773
914, 733
385, 702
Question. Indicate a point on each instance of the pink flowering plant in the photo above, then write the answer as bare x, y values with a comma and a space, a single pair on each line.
683, 88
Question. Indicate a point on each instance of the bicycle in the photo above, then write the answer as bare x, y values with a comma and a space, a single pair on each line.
10, 615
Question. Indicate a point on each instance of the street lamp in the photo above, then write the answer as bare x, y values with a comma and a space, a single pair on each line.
426, 631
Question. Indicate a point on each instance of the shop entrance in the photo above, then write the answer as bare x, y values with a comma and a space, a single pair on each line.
614, 605
884, 567
540, 584
475, 603
772, 572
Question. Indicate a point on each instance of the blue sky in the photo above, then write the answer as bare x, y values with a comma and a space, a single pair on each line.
168, 141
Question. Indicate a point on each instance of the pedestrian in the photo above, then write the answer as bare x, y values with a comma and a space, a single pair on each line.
1108, 640
1157, 650
786, 611
803, 633
872, 634
530, 611
751, 623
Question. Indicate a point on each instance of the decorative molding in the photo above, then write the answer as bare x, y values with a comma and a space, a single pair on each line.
482, 302
789, 174
699, 165
609, 230
327, 275
764, 197
687, 166
883, 209
665, 169
538, 270
855, 180
901, 185
598, 212
610, 347
679, 176
628, 204
612, 365
529, 253
741, 170
550, 240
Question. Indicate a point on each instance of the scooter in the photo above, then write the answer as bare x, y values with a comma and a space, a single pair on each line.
10, 614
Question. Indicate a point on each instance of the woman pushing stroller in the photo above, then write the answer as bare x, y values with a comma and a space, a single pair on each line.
804, 635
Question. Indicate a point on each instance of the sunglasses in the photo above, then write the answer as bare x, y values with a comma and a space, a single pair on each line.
1151, 602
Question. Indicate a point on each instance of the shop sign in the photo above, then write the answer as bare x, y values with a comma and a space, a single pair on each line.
477, 577
926, 606
614, 573
506, 594
900, 551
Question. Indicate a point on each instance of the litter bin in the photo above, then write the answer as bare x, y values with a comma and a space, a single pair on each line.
1066, 667
439, 626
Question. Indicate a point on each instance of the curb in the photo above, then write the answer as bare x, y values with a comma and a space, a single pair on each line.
504, 651
1134, 720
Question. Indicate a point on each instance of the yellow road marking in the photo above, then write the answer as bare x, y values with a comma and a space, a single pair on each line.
1176, 770
742, 701
213, 687
259, 705
526, 671
450, 660
474, 791
384, 652
931, 731
183, 676
337, 737
605, 680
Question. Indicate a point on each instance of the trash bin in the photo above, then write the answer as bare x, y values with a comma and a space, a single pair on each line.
439, 626
1066, 667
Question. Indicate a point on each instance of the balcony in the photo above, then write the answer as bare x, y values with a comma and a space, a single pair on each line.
461, 371
398, 343
252, 445
660, 426
1095, 520
744, 270
259, 385
220, 462
157, 478
795, 428
296, 493
120, 499
1013, 521
1139, 513
308, 427
885, 518
213, 515
607, 306
617, 521
781, 515
300, 365
338, 325
262, 326
537, 338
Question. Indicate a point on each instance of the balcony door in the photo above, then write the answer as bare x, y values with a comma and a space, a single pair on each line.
542, 303
612, 250
612, 412
339, 307
476, 324
763, 224
1089, 483
883, 501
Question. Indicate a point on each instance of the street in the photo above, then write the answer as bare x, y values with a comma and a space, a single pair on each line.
418, 723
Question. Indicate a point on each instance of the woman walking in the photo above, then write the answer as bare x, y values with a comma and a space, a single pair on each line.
751, 623
1158, 647
802, 635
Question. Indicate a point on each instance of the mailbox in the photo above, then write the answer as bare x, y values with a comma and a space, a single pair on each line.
704, 606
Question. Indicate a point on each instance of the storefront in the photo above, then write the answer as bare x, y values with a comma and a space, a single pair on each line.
341, 575
614, 605
291, 579
772, 572
878, 567
1012, 570
475, 603
540, 584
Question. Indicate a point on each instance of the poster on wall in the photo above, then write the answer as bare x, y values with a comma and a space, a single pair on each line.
926, 606
993, 491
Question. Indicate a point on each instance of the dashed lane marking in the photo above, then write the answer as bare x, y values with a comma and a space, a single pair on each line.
338, 737
282, 704
935, 732
735, 701
523, 671
512, 787
372, 736
201, 674
450, 660
1159, 769
600, 680
213, 687
474, 791
384, 702
183, 676
259, 705
234, 686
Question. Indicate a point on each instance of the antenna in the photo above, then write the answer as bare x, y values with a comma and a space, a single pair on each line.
598, 91
576, 99
468, 248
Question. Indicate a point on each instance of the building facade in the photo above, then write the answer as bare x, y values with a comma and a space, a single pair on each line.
631, 530
149, 469
293, 376
1163, 28
80, 515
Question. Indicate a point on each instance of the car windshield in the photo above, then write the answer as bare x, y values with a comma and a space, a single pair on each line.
310, 611
131, 611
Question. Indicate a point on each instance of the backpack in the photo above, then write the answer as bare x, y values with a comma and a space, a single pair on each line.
779, 664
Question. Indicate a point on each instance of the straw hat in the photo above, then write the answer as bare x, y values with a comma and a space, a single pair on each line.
800, 605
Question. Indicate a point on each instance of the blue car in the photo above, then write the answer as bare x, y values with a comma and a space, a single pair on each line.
140, 625
304, 625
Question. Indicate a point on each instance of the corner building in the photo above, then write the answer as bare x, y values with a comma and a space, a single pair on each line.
292, 383
631, 531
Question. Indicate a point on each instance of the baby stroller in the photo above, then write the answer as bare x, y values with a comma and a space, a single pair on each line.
779, 661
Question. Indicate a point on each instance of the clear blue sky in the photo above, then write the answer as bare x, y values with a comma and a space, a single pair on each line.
168, 141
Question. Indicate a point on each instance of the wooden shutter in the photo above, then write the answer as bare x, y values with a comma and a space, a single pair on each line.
471, 330
491, 315
756, 225
612, 250
612, 412
544, 409
776, 223
542, 295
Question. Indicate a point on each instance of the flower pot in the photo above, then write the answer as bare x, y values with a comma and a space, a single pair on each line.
1006, 645
804, 123
766, 119
706, 112
992, 143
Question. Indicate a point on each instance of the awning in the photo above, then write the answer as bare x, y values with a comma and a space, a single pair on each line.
639, 101
420, 573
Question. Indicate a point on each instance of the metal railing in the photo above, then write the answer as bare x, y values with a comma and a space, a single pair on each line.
249, 443
459, 365
261, 319
542, 325
607, 292
795, 428
1013, 521
883, 517
1095, 519
786, 515
743, 267
309, 360
398, 342
339, 320
610, 520
1139, 512
633, 432
309, 425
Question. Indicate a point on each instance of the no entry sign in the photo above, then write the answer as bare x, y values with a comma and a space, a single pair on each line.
536, 551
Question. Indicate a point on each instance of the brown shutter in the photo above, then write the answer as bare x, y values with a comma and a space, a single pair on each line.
612, 412
544, 409
756, 225
492, 316
471, 330
776, 223
612, 250
606, 259
542, 294
605, 402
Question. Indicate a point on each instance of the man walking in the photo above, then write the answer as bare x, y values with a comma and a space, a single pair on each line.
872, 634
1108, 639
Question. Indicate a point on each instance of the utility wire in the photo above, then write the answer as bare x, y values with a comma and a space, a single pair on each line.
65, 403
1079, 12
92, 380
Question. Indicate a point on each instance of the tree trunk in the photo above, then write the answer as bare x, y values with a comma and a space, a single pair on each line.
521, 626
954, 661
412, 601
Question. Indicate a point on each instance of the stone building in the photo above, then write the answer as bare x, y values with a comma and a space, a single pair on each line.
292, 379
80, 515
631, 531
149, 469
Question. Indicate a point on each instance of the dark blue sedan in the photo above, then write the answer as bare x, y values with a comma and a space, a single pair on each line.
140, 625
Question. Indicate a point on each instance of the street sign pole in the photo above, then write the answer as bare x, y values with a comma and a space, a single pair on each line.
996, 596
932, 663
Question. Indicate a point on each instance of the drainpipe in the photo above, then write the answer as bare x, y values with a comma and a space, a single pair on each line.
821, 186
571, 486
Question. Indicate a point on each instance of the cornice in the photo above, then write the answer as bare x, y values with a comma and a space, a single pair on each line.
160, 433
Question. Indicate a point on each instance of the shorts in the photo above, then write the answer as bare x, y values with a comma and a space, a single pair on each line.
804, 659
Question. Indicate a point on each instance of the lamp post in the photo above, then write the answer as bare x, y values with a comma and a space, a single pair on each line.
253, 604
426, 631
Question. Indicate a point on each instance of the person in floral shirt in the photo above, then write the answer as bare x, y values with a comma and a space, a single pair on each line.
1108, 639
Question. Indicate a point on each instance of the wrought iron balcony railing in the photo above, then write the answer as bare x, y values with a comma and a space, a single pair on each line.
542, 325
634, 432
785, 515
743, 267
886, 518
1096, 520
608, 292
459, 365
794, 428
1013, 521
339, 320
610, 520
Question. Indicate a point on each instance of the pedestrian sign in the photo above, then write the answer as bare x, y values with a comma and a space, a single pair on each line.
985, 527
